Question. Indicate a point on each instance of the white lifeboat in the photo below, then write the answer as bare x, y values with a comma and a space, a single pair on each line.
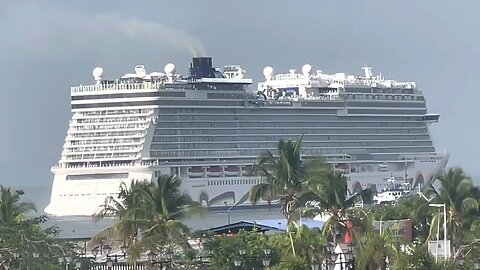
214, 171
195, 171
232, 171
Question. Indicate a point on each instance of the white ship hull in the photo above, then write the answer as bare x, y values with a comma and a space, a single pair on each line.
84, 198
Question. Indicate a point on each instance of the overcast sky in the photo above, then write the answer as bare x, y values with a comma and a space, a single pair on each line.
48, 46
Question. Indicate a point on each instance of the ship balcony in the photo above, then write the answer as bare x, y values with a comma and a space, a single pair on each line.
431, 118
109, 121
89, 128
71, 137
98, 115
114, 86
86, 131
104, 144
97, 155
101, 151
106, 159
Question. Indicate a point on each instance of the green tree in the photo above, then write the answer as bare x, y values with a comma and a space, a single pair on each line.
418, 258
457, 192
284, 176
309, 244
331, 198
378, 250
21, 236
153, 210
225, 250
470, 249
292, 263
12, 209
414, 208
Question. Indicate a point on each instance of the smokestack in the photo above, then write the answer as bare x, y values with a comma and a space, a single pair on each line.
201, 67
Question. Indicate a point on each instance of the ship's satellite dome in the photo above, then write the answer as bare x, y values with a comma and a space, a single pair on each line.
268, 72
170, 68
306, 69
97, 73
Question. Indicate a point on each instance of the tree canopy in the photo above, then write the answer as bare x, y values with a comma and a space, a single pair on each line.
151, 210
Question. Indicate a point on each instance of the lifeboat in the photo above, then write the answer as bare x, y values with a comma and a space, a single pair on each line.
232, 171
195, 171
214, 171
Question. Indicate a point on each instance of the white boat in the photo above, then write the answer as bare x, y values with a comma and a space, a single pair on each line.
202, 125
393, 192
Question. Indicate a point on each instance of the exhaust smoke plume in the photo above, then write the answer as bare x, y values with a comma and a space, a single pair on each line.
137, 29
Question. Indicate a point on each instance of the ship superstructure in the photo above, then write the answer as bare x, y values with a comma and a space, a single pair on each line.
208, 128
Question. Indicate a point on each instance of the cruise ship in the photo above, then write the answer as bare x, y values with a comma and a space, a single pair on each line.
209, 126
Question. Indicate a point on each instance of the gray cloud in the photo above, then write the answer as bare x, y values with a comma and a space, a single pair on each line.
88, 29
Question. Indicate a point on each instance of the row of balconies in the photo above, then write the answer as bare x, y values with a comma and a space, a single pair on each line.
100, 149
105, 142
102, 135
112, 120
108, 127
93, 157
125, 112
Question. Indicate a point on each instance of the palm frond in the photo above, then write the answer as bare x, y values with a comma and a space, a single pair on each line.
469, 204
262, 190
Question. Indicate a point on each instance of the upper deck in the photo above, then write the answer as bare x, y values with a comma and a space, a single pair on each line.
319, 85
202, 76
319, 79
279, 90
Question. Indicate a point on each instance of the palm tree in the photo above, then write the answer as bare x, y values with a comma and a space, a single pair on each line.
417, 257
330, 194
378, 250
456, 190
24, 234
308, 243
152, 209
285, 175
127, 208
12, 209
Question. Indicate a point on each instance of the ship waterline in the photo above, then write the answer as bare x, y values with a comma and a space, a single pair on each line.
208, 129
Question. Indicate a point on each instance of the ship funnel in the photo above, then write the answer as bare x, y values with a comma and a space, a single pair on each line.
201, 67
